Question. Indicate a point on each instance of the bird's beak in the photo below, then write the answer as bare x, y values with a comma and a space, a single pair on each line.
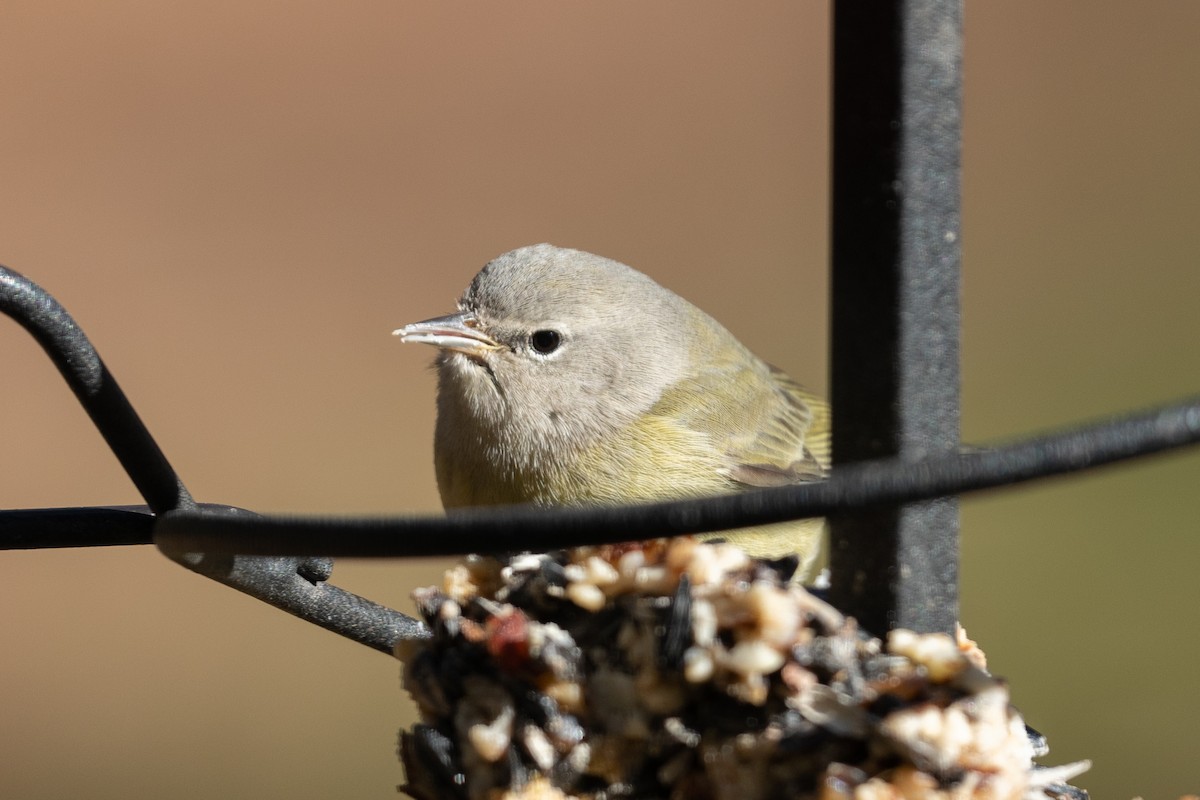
461, 332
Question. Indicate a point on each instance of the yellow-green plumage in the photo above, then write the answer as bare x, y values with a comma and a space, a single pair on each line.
645, 398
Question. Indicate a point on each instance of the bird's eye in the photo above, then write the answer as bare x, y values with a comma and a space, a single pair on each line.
545, 342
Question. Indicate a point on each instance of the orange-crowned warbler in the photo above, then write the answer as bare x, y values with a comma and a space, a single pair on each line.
566, 378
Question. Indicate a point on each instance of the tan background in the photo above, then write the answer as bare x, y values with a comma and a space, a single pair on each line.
239, 201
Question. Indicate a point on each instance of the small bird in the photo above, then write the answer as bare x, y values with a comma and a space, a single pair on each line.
566, 378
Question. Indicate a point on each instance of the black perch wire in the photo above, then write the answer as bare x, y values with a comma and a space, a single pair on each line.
295, 584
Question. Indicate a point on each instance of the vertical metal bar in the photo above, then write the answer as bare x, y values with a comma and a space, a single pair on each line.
895, 278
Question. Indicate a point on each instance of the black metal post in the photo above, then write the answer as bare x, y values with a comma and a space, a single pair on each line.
895, 314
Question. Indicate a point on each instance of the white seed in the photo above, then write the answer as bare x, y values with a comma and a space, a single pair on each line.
754, 657
697, 665
525, 562
652, 580
776, 613
704, 622
491, 739
936, 652
538, 746
600, 572
458, 583
710, 563
630, 562
580, 756
449, 610
568, 695
586, 595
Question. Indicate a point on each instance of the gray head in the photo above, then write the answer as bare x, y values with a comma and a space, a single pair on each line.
553, 348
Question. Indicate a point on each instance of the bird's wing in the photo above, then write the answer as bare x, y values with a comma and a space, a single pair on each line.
791, 443
770, 431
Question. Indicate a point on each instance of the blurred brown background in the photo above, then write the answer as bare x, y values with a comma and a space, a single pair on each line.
239, 201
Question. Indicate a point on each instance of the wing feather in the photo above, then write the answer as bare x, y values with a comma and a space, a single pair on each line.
772, 431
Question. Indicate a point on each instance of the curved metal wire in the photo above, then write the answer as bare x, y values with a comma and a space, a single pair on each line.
294, 584
853, 487
48, 322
